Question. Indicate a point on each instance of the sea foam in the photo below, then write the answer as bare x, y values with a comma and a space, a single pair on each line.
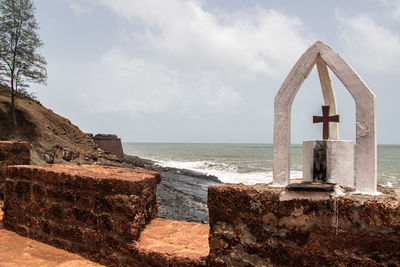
226, 173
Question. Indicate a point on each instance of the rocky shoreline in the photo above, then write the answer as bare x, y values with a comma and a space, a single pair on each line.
182, 194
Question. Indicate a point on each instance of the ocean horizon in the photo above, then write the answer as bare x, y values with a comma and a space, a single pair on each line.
246, 163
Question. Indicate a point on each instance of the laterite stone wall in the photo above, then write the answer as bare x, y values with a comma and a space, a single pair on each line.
109, 143
12, 153
95, 211
250, 226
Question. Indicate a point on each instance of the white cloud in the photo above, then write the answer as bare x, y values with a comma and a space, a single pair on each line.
79, 7
224, 98
394, 6
373, 47
183, 59
259, 41
119, 83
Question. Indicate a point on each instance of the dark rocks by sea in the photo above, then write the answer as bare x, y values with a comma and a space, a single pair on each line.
182, 194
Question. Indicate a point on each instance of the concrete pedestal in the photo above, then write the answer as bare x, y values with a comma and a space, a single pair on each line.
329, 161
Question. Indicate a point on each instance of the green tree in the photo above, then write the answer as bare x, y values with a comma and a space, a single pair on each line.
20, 61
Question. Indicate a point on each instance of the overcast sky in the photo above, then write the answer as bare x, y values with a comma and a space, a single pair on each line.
208, 71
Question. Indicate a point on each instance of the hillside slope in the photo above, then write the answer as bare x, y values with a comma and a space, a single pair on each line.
54, 139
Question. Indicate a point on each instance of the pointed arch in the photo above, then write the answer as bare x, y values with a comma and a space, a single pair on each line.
366, 150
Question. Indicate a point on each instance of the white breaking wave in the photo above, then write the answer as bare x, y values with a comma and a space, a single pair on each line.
205, 165
226, 173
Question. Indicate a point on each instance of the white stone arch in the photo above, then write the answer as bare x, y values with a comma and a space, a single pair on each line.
366, 149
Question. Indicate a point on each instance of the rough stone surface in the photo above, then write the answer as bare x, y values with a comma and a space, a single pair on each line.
110, 143
16, 251
173, 243
12, 153
249, 226
1, 214
366, 148
95, 211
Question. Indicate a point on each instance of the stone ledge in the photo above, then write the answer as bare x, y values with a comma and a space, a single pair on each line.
15, 145
173, 243
106, 136
108, 179
250, 226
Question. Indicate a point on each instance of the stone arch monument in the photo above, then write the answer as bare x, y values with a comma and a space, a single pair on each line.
366, 150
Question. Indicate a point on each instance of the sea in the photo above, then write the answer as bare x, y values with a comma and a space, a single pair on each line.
246, 163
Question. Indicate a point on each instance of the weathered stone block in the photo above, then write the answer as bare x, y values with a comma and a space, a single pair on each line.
82, 215
249, 226
124, 204
23, 190
10, 186
85, 216
84, 199
92, 240
14, 153
83, 209
104, 221
60, 194
101, 204
37, 191
110, 143
44, 225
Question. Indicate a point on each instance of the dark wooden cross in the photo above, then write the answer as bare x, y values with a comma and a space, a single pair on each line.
325, 119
